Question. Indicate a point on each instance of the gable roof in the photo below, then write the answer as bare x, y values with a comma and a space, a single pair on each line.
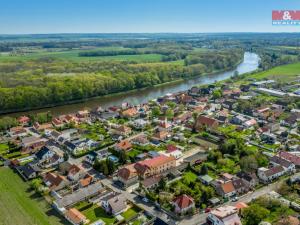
124, 145
53, 180
75, 216
127, 172
207, 121
290, 157
274, 170
40, 154
227, 187
117, 203
183, 201
281, 161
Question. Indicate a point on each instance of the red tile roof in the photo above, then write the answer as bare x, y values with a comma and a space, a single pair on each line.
127, 172
290, 157
183, 201
124, 145
207, 121
75, 216
227, 187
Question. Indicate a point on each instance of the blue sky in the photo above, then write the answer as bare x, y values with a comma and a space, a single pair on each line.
113, 16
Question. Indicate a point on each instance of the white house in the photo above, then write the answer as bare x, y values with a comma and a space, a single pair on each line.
225, 215
267, 175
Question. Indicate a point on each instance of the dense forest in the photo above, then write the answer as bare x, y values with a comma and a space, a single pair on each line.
41, 70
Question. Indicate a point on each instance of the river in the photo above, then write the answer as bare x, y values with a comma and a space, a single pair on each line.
250, 63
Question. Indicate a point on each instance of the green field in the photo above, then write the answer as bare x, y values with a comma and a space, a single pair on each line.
73, 56
280, 73
20, 206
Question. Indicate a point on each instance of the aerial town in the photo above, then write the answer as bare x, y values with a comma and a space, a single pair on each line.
215, 154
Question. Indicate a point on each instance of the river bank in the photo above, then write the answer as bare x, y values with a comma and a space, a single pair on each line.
137, 96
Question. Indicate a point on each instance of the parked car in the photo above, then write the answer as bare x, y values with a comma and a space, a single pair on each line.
235, 199
207, 210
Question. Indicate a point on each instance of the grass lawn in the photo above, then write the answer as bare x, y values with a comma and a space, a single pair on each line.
95, 213
281, 73
130, 213
18, 206
3, 148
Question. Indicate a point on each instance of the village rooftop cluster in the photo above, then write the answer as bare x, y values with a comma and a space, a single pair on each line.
185, 158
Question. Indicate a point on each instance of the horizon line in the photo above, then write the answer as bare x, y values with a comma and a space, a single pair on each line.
226, 32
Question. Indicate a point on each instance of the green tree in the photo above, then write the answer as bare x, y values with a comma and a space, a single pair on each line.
254, 214
123, 157
204, 169
155, 111
169, 113
248, 163
217, 94
111, 166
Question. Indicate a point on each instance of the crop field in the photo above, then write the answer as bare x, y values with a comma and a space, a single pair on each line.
20, 206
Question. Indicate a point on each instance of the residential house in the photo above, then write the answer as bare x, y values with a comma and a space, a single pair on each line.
288, 166
27, 171
18, 132
272, 127
55, 181
151, 182
86, 181
267, 175
57, 123
165, 125
291, 121
140, 140
240, 186
124, 145
161, 135
269, 138
290, 157
75, 217
75, 173
250, 123
129, 113
238, 120
114, 204
229, 104
226, 189
176, 154
250, 179
23, 120
155, 166
206, 122
262, 112
32, 144
42, 127
122, 130
127, 175
140, 123
183, 204
225, 215
44, 154
182, 118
